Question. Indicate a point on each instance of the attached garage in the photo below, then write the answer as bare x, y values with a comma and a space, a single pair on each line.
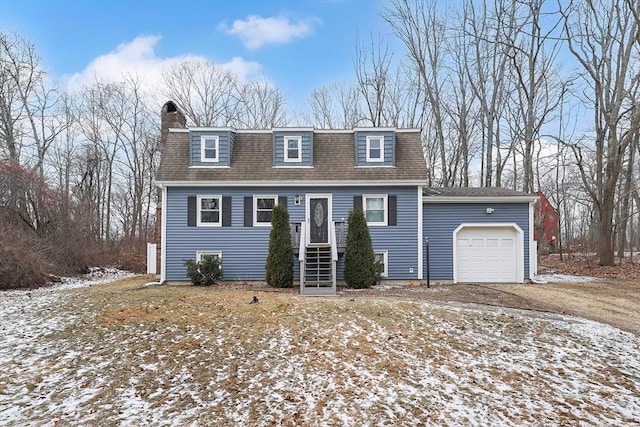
488, 253
478, 235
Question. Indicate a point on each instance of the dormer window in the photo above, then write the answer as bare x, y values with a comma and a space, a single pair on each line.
209, 148
375, 149
292, 148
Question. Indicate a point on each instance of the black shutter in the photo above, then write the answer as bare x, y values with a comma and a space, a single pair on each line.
226, 211
357, 202
192, 211
282, 200
393, 210
248, 211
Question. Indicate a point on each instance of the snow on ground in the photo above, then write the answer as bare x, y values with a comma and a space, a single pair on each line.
562, 278
321, 363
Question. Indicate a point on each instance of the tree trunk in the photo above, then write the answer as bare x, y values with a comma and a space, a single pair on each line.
605, 235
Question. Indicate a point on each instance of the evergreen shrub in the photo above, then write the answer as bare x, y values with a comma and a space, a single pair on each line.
360, 267
279, 265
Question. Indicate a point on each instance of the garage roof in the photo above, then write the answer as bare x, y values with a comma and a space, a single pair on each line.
476, 195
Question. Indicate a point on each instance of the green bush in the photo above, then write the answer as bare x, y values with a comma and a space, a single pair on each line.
205, 272
279, 266
360, 267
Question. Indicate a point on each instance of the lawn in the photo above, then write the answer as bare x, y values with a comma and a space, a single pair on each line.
120, 354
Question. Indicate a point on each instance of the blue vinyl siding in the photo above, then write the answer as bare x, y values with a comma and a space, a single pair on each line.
441, 219
244, 249
360, 141
306, 147
232, 141
225, 145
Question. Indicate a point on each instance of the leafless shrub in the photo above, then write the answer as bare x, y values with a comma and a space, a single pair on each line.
24, 260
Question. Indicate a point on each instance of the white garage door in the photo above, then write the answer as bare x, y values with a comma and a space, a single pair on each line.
487, 254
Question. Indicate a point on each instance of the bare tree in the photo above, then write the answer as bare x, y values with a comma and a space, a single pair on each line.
20, 74
334, 106
487, 70
204, 92
321, 103
461, 108
416, 24
603, 36
372, 74
532, 50
260, 105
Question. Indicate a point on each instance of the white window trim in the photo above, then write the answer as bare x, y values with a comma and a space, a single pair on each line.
255, 208
199, 222
385, 260
385, 207
381, 138
203, 140
298, 140
200, 254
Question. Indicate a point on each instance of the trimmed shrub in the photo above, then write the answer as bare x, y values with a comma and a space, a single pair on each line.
279, 266
360, 267
206, 272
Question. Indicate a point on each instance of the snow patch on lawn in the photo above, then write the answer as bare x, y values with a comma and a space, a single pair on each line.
562, 278
369, 363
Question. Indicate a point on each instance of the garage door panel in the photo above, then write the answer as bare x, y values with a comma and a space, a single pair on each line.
486, 254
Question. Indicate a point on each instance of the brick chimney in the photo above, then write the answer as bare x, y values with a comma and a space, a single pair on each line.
170, 117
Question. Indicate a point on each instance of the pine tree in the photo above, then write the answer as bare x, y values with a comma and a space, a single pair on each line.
279, 265
360, 269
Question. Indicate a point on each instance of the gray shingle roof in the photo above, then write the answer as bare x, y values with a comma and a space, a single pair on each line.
473, 192
333, 160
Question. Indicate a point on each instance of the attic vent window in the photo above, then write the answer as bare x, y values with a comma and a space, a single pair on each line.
292, 149
375, 149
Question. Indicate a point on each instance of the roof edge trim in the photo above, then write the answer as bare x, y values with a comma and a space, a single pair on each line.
479, 199
288, 183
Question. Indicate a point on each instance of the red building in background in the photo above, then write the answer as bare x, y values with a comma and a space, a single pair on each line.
546, 224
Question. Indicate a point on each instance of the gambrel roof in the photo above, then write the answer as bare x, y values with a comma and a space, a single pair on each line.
333, 159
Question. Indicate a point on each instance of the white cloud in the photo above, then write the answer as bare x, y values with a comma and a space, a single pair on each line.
256, 31
138, 57
241, 68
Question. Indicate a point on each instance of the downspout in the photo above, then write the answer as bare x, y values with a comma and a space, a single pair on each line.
163, 238
420, 234
533, 248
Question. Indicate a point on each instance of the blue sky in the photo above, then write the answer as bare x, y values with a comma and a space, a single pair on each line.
297, 44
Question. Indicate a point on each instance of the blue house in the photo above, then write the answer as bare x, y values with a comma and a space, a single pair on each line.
219, 186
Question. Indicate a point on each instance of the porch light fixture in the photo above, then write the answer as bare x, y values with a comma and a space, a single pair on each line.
490, 210
296, 199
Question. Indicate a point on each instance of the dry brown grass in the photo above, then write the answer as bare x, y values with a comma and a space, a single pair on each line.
184, 355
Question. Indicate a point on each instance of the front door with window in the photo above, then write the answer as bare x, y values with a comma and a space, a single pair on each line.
318, 211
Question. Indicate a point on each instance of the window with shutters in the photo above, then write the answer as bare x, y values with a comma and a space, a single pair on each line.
375, 209
263, 209
209, 211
